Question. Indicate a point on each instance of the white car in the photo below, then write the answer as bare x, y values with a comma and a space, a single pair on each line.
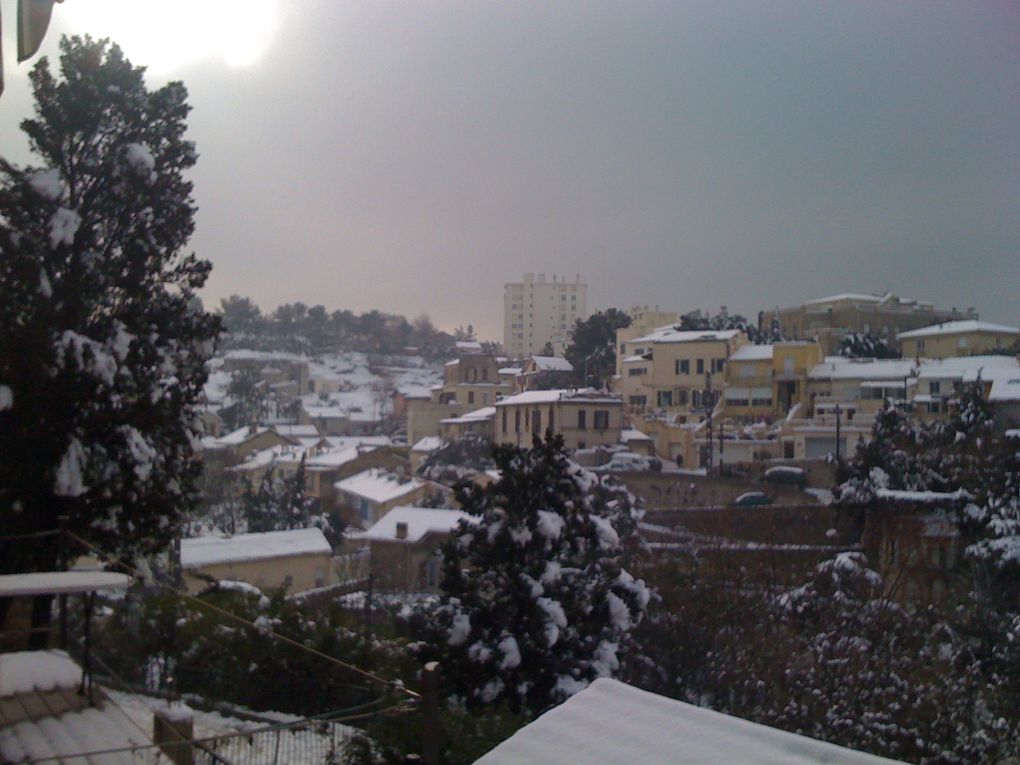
624, 461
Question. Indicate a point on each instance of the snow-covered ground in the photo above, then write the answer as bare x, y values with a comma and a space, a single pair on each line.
303, 746
348, 384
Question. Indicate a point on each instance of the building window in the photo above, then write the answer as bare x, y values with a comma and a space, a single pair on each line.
701, 366
485, 374
432, 567
637, 400
536, 421
471, 397
504, 419
637, 371
933, 386
683, 366
517, 421
718, 364
664, 398
601, 419
582, 419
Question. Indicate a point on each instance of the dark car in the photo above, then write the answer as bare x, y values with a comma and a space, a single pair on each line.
752, 499
787, 475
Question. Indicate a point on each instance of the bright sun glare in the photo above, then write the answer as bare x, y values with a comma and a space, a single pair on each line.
165, 35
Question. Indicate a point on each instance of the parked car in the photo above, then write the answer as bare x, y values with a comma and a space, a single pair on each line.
623, 461
786, 475
752, 499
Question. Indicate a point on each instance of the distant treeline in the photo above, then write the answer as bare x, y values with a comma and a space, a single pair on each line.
298, 328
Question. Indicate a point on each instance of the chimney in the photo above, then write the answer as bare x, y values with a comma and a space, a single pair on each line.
401, 530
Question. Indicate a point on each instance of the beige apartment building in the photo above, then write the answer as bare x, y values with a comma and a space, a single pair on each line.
830, 319
473, 380
585, 418
537, 311
643, 321
957, 338
766, 381
670, 369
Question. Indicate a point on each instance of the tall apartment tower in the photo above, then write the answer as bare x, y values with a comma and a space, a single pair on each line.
537, 311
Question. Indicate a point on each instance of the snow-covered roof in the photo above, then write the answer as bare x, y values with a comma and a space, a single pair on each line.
378, 485
753, 353
44, 733
632, 434
964, 367
427, 444
510, 371
609, 723
671, 334
420, 521
478, 415
37, 671
552, 396
633, 359
208, 551
1005, 388
266, 457
297, 431
925, 497
334, 458
250, 355
239, 436
839, 368
552, 364
347, 442
468, 346
958, 328
860, 297
60, 583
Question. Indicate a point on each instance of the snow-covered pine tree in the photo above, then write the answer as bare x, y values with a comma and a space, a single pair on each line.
249, 399
105, 343
536, 600
280, 502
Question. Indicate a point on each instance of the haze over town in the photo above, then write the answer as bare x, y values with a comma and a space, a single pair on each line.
689, 155
517, 382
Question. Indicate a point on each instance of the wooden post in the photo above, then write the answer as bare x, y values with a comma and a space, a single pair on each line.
62, 566
430, 713
173, 730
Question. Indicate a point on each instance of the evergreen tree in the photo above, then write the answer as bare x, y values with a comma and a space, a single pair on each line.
104, 341
249, 399
865, 346
281, 502
536, 600
241, 317
592, 347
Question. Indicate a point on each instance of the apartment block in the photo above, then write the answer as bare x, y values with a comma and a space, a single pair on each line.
671, 369
585, 418
643, 320
958, 338
537, 311
829, 319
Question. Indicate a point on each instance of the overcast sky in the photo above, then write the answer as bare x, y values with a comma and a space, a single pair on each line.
415, 156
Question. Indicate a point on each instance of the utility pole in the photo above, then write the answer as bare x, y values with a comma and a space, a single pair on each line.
837, 435
711, 445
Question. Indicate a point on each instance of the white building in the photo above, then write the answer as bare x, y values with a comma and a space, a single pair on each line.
537, 311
